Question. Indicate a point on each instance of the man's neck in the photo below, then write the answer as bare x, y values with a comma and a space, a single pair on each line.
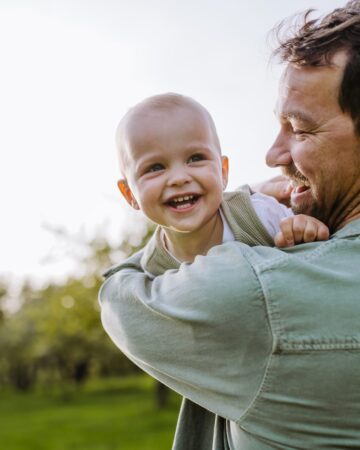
354, 215
347, 211
186, 246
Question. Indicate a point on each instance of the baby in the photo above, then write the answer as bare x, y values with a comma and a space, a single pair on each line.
173, 170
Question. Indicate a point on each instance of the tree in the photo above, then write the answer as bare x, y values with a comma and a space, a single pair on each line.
3, 295
56, 337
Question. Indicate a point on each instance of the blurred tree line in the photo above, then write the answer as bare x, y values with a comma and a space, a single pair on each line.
56, 337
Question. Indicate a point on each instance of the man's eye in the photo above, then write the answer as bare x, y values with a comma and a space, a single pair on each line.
155, 168
195, 158
298, 133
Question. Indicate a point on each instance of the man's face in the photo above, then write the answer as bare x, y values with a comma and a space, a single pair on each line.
175, 173
317, 147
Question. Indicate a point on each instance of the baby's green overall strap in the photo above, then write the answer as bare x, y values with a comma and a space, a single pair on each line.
155, 259
242, 218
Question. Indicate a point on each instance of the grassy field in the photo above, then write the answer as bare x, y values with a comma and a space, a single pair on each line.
116, 414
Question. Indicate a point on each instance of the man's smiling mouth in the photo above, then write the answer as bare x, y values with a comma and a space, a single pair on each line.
299, 185
298, 182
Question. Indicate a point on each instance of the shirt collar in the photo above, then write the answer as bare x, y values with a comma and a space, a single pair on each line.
351, 229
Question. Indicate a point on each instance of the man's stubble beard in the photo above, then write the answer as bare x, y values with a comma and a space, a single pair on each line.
309, 207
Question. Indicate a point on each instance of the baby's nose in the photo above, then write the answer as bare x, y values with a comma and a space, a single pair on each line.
179, 176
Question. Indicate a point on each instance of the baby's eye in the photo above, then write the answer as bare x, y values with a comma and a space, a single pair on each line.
195, 158
155, 168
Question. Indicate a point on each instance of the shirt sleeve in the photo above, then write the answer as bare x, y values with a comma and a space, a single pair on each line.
270, 212
202, 330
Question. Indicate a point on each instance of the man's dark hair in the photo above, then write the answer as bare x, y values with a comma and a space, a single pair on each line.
314, 43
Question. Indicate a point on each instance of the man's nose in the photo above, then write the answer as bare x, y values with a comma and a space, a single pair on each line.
178, 176
279, 153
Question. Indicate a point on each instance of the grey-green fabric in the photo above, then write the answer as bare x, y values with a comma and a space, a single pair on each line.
264, 342
241, 218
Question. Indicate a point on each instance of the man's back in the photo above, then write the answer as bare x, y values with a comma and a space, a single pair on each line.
277, 358
310, 395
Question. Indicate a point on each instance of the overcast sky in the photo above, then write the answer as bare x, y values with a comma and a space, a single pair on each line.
71, 68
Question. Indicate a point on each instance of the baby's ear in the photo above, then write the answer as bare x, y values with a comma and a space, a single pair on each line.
127, 194
224, 170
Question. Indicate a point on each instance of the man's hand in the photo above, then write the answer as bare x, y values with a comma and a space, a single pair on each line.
278, 187
300, 228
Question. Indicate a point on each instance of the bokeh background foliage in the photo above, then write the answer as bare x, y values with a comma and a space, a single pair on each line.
63, 383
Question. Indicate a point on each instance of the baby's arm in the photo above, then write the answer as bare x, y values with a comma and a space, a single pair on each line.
277, 187
300, 228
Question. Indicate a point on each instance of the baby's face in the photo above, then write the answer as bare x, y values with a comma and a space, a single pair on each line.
174, 171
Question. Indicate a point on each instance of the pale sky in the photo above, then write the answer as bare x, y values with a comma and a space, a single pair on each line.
71, 68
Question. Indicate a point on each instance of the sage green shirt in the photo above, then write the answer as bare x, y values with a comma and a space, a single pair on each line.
265, 341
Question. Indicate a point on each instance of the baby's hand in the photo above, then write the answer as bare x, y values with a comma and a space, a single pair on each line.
300, 228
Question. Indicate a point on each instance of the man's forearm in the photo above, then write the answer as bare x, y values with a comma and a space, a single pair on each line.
190, 328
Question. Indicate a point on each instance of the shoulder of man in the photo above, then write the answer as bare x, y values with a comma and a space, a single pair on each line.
132, 262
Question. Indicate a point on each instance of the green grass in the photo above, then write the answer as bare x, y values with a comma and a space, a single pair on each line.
116, 414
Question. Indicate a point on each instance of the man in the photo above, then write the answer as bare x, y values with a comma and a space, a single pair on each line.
265, 343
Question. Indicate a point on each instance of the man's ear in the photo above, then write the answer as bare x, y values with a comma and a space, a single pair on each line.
225, 170
127, 194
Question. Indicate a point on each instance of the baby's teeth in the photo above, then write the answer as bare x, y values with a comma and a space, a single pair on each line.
181, 199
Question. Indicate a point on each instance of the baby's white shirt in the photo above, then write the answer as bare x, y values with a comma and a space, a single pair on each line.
270, 212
